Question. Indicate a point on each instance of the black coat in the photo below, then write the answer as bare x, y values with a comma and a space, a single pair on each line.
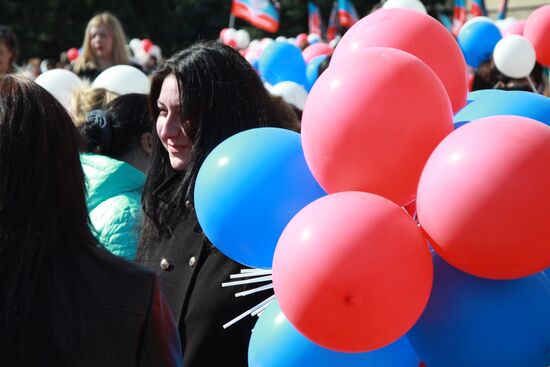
191, 276
113, 315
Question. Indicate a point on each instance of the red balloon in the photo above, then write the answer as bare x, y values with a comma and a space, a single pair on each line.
301, 40
537, 29
373, 128
352, 272
484, 195
415, 33
72, 54
317, 49
146, 44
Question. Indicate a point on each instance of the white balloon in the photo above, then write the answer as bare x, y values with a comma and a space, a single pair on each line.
123, 79
135, 44
280, 39
514, 56
291, 40
291, 92
156, 51
242, 38
503, 24
229, 35
415, 5
61, 84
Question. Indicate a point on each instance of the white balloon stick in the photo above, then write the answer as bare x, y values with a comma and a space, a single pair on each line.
531, 84
248, 312
254, 290
250, 274
261, 309
248, 281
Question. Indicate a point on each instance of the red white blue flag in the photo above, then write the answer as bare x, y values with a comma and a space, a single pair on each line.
333, 22
314, 19
459, 15
262, 14
478, 8
347, 14
502, 9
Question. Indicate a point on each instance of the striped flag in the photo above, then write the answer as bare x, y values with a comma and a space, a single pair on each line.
314, 18
262, 14
478, 8
459, 15
502, 9
347, 15
333, 26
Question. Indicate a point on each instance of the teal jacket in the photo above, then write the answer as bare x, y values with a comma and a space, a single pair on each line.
114, 202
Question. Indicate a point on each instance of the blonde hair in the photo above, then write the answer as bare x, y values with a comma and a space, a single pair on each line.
120, 56
86, 99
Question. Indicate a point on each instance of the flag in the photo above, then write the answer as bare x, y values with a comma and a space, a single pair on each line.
459, 15
478, 8
347, 15
502, 9
314, 21
333, 22
262, 14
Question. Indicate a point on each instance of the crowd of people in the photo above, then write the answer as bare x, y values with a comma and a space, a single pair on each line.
102, 259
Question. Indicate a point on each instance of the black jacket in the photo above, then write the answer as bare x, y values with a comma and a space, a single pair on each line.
191, 276
114, 315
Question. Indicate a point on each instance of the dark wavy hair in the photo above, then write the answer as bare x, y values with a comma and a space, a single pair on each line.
43, 218
221, 95
8, 38
117, 130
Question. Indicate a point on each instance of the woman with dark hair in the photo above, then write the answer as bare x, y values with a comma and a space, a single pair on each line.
8, 51
65, 302
199, 97
118, 142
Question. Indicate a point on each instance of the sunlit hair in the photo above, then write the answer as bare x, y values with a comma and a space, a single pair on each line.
220, 95
86, 99
120, 56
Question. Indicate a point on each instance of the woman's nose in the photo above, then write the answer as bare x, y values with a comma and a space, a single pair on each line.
172, 127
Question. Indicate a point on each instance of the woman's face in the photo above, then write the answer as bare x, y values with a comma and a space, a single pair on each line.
101, 41
5, 58
170, 128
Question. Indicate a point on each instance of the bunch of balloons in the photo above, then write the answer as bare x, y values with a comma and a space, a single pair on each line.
239, 39
143, 50
358, 281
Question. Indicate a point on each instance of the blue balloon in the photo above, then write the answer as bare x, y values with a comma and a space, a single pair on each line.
276, 343
475, 95
282, 61
516, 103
478, 42
312, 70
478, 322
248, 189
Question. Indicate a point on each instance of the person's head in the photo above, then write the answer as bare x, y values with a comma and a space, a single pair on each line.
121, 131
199, 97
86, 99
8, 49
104, 39
43, 215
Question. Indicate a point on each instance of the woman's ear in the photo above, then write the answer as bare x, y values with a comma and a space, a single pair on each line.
147, 142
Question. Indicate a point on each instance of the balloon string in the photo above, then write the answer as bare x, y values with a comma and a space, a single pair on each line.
249, 312
531, 84
248, 281
250, 274
254, 290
